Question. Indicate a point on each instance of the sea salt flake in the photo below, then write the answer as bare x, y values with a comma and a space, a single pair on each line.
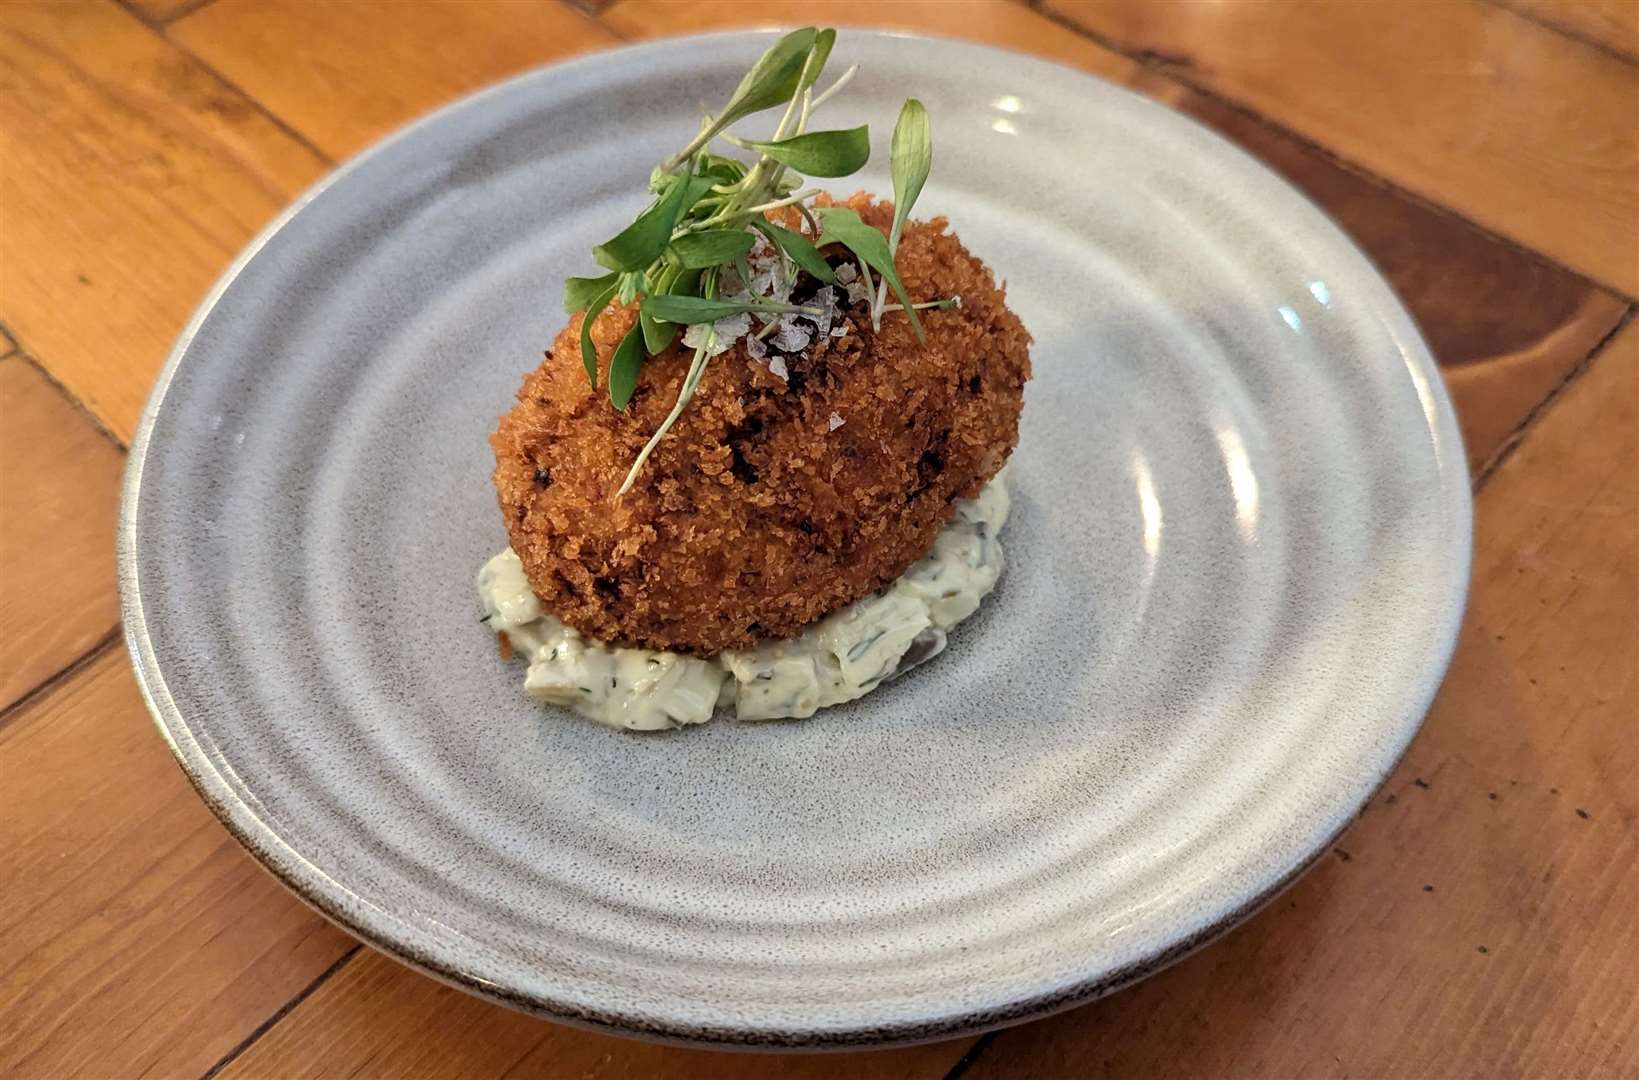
777, 366
826, 301
771, 283
846, 273
792, 336
835, 422
755, 348
729, 329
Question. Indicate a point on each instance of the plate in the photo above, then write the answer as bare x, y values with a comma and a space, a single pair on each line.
1237, 562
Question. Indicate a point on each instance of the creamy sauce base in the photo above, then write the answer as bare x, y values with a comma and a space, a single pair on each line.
841, 657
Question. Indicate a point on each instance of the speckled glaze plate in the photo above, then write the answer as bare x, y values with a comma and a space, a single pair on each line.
1237, 562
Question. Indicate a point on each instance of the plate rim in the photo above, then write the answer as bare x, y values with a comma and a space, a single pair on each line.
305, 880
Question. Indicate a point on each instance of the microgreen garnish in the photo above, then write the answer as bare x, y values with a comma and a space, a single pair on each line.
588, 353
819, 153
691, 255
580, 292
912, 158
713, 247
623, 368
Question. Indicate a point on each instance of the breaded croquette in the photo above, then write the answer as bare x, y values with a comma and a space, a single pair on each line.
773, 500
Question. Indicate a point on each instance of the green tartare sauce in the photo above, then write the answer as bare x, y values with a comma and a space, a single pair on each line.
841, 657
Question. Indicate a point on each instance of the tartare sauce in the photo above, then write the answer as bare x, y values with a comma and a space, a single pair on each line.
841, 657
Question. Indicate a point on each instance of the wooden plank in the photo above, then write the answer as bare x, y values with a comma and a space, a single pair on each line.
58, 500
1478, 920
301, 59
130, 181
1522, 129
1610, 24
993, 22
136, 937
378, 1018
1507, 327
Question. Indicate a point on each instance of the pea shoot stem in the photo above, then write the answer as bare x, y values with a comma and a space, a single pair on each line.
697, 368
842, 80
940, 305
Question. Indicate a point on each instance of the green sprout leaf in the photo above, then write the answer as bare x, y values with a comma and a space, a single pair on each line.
815, 64
624, 367
698, 309
589, 352
711, 247
796, 246
579, 292
912, 157
772, 80
725, 170
843, 226
641, 242
656, 335
820, 153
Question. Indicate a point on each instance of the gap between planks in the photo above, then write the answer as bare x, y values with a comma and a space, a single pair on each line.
62, 675
965, 1062
1517, 437
1553, 27
282, 1011
182, 11
14, 350
256, 103
1174, 67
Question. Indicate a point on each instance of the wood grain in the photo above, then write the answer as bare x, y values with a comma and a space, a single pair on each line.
1478, 920
1611, 24
301, 59
380, 1019
1506, 326
1003, 23
59, 492
1522, 129
131, 177
136, 937
162, 11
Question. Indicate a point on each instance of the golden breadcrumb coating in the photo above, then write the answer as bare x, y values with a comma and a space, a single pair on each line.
754, 517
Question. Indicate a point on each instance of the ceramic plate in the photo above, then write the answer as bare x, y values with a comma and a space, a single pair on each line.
1237, 562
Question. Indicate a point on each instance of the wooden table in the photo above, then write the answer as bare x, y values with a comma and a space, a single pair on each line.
1480, 919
